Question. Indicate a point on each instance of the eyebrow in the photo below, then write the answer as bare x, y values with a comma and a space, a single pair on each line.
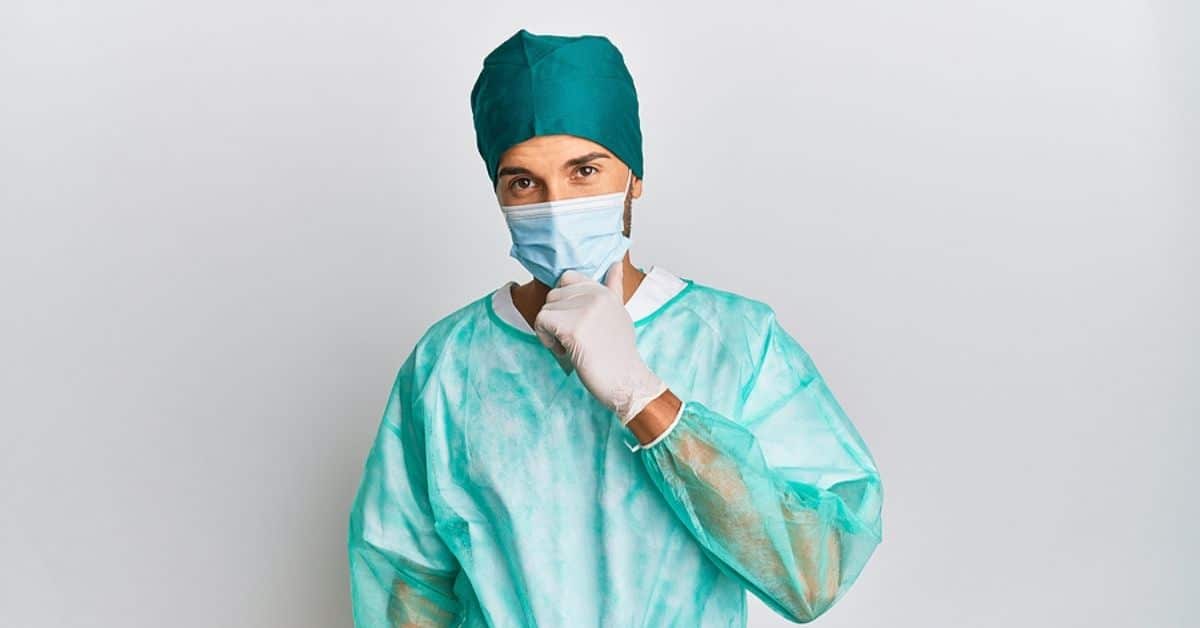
574, 161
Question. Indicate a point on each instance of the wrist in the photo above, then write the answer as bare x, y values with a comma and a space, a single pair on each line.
655, 418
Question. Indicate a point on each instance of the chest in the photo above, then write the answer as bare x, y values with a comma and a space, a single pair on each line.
515, 437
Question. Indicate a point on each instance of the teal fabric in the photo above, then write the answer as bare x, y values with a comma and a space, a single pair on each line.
534, 85
499, 492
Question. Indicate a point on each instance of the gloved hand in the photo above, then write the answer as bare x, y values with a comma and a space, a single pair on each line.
587, 321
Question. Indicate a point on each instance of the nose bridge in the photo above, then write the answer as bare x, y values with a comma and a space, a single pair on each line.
554, 187
557, 187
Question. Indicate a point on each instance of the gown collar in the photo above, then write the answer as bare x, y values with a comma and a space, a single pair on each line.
658, 287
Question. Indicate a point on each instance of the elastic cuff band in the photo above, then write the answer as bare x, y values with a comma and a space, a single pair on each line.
658, 439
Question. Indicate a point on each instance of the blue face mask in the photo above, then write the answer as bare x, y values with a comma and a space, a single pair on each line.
582, 234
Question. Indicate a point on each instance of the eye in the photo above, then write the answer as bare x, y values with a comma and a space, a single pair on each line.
520, 183
587, 171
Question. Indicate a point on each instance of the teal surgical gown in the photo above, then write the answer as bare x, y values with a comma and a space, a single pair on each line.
499, 492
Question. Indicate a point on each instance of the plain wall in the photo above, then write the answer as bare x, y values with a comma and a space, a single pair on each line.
224, 225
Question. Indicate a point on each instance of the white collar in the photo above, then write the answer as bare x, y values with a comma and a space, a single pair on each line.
656, 288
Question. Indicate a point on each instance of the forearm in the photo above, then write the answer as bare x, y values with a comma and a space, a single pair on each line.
409, 608
387, 590
742, 513
735, 520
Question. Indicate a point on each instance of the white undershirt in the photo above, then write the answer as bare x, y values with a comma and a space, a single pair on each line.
656, 288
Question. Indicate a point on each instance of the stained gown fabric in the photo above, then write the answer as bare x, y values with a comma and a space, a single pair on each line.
499, 492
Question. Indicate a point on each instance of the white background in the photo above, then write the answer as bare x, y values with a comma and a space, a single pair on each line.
224, 224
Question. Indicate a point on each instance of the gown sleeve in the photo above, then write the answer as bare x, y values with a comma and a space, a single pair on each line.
401, 572
784, 496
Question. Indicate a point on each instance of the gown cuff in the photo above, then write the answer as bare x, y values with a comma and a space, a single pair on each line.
632, 443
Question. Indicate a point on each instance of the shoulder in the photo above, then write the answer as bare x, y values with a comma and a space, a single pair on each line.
441, 339
756, 324
746, 321
451, 329
730, 308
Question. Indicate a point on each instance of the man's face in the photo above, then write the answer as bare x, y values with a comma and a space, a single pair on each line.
557, 167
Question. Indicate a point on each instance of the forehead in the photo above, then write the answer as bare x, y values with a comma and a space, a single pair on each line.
549, 149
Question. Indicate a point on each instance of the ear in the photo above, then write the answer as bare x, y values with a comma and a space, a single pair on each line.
613, 279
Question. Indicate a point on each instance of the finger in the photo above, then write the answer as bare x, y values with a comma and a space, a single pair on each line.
569, 291
614, 279
571, 277
549, 341
553, 344
545, 325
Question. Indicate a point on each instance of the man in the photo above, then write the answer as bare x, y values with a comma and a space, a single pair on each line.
602, 445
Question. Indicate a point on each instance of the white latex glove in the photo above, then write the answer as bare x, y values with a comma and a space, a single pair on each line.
587, 322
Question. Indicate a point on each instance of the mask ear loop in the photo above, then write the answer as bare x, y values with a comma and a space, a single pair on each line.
628, 188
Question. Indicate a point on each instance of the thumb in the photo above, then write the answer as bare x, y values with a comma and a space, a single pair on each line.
571, 277
613, 279
545, 330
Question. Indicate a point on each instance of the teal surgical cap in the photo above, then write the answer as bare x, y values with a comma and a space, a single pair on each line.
550, 84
